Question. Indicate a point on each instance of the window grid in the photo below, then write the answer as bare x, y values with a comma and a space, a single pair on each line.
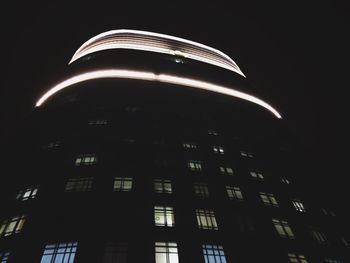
285, 180
201, 190
213, 254
163, 186
234, 193
115, 253
79, 184
59, 253
4, 256
332, 260
122, 184
319, 237
206, 219
257, 175
283, 228
166, 252
226, 170
12, 226
164, 216
218, 150
28, 193
268, 199
298, 205
296, 258
194, 165
247, 154
87, 159
189, 145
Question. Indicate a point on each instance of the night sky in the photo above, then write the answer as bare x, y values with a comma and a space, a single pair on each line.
296, 55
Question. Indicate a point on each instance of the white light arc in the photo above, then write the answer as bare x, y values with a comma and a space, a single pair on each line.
155, 42
149, 76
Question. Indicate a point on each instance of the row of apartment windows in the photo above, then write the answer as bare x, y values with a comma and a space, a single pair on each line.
164, 252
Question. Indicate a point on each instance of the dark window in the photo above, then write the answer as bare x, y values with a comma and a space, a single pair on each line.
79, 184
201, 190
163, 186
115, 253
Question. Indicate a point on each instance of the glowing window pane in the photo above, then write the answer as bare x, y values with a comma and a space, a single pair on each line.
206, 219
122, 184
166, 252
164, 216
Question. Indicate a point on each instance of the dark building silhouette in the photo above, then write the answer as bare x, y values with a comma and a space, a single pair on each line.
153, 149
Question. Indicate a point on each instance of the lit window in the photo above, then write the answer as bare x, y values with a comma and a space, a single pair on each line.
285, 180
87, 159
328, 212
164, 216
115, 253
246, 154
122, 184
218, 149
189, 146
59, 253
53, 145
4, 256
206, 219
97, 122
201, 190
283, 228
166, 252
319, 237
213, 254
12, 226
332, 260
226, 170
194, 165
163, 186
212, 132
268, 199
28, 193
234, 193
256, 175
296, 258
298, 205
79, 184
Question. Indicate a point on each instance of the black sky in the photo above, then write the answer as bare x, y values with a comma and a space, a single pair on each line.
295, 54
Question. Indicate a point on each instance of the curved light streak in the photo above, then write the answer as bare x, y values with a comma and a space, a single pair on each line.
155, 42
149, 76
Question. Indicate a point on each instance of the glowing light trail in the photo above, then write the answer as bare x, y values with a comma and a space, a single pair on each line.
156, 42
149, 76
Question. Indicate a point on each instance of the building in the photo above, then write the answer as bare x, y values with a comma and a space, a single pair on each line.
153, 148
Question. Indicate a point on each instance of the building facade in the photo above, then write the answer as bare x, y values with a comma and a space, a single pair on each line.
154, 149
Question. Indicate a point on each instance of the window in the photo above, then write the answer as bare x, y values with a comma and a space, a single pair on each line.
166, 252
163, 186
319, 237
268, 199
53, 145
285, 180
298, 205
79, 184
12, 226
218, 150
328, 212
256, 175
87, 159
226, 170
194, 165
206, 219
212, 132
234, 193
283, 229
189, 146
97, 122
346, 242
201, 190
122, 184
246, 154
164, 216
213, 254
332, 260
28, 193
59, 253
4, 256
115, 253
296, 258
